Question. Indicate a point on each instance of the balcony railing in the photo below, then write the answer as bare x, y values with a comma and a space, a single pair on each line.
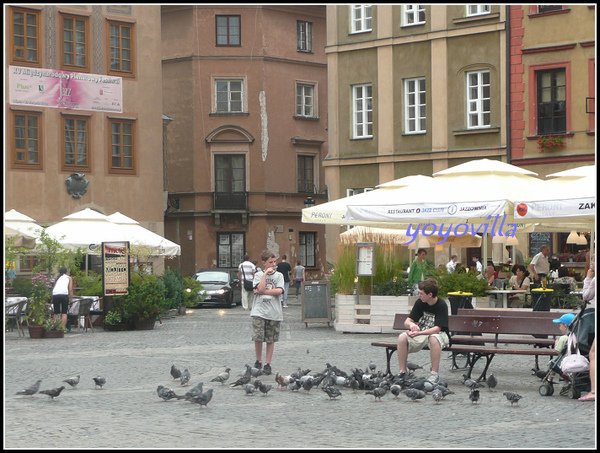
236, 201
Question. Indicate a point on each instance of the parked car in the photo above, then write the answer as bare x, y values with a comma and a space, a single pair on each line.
219, 288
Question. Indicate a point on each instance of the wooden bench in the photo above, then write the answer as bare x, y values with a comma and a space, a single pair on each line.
486, 336
511, 312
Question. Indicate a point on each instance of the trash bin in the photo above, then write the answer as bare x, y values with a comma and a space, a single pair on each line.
459, 299
541, 298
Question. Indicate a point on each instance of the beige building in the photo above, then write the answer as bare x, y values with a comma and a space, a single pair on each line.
105, 124
245, 90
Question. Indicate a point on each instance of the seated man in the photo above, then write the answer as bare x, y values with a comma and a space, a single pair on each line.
427, 325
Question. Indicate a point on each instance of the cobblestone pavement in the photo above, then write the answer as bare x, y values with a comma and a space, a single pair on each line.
127, 413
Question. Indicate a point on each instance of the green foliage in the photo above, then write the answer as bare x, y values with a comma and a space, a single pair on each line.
41, 294
459, 281
22, 286
173, 288
191, 288
146, 298
54, 325
89, 285
51, 255
344, 272
398, 286
113, 317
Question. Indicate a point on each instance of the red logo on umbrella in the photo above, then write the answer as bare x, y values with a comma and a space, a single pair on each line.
522, 209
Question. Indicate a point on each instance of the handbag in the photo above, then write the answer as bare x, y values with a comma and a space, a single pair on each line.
574, 362
248, 284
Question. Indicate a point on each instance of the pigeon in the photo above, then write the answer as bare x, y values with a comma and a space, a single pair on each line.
354, 384
280, 381
243, 380
53, 393
250, 389
332, 392
31, 389
203, 398
378, 392
491, 381
263, 388
196, 390
72, 381
512, 397
99, 381
308, 384
437, 395
413, 366
222, 377
472, 384
395, 389
254, 372
294, 385
167, 393
414, 394
185, 376
175, 372
474, 395
372, 366
445, 391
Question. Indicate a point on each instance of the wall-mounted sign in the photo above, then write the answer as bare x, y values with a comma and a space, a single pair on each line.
65, 89
115, 268
365, 259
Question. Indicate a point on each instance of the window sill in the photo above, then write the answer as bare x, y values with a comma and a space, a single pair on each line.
409, 134
359, 32
228, 114
486, 130
556, 134
412, 25
361, 138
549, 13
479, 17
19, 166
307, 118
305, 51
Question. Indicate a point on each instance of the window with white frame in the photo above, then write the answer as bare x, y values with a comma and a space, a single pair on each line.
478, 10
478, 99
362, 111
229, 96
304, 36
305, 100
413, 15
307, 248
415, 107
360, 18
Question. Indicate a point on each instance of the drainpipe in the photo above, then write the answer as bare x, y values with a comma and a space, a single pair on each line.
508, 89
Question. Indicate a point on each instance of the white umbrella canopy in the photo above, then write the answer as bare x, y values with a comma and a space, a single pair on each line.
402, 237
19, 239
86, 229
578, 172
22, 223
138, 235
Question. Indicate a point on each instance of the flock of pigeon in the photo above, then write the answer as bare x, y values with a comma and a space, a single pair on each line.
53, 393
331, 381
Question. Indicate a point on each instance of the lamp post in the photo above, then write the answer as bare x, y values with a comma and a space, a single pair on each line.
309, 201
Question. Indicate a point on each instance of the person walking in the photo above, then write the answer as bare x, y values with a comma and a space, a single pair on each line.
451, 265
285, 269
61, 294
539, 268
246, 271
299, 276
418, 271
266, 313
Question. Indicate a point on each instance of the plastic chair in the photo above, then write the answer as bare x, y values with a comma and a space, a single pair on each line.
13, 314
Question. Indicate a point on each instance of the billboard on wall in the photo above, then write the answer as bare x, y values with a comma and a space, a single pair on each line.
65, 89
115, 268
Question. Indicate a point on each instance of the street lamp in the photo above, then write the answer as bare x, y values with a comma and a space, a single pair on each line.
309, 201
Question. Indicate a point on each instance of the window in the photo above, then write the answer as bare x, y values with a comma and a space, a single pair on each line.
74, 42
307, 250
75, 145
413, 15
306, 174
28, 262
356, 191
228, 30
478, 10
27, 139
360, 18
551, 101
231, 248
229, 96
362, 115
25, 36
230, 181
305, 100
415, 108
478, 99
121, 48
304, 36
122, 158
548, 8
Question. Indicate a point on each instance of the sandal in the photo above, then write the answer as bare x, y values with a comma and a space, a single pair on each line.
588, 397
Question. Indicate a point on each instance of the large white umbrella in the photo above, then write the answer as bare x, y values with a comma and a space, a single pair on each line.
138, 235
401, 237
19, 239
22, 223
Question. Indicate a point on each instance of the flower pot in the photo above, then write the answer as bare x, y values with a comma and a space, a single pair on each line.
144, 323
115, 327
54, 334
36, 331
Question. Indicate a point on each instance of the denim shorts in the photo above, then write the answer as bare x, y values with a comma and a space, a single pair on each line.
265, 329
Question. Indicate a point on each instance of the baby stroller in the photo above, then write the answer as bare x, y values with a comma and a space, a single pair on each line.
584, 328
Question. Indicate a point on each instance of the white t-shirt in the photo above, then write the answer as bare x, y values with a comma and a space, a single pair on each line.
451, 266
541, 264
247, 270
61, 287
264, 306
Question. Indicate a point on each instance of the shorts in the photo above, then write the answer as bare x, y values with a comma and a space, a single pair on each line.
265, 329
419, 342
61, 303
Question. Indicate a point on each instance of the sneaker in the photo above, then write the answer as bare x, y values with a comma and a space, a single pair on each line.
434, 378
285, 306
257, 365
267, 369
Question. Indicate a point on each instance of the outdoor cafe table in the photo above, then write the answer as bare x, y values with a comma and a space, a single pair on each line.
10, 304
505, 293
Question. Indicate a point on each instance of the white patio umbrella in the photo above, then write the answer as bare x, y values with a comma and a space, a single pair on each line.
138, 235
22, 223
19, 239
86, 229
401, 237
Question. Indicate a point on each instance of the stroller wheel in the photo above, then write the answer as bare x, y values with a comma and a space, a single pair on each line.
574, 393
546, 389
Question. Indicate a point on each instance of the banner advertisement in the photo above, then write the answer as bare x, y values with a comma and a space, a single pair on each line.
65, 89
555, 208
115, 268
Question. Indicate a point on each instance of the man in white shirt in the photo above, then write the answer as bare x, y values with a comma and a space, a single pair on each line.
540, 266
246, 271
451, 266
477, 264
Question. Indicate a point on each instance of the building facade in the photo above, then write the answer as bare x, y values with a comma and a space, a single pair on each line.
77, 110
245, 90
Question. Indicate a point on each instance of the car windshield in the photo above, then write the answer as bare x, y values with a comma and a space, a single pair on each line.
212, 277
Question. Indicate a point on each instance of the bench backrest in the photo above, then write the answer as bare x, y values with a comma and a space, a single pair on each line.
493, 324
508, 312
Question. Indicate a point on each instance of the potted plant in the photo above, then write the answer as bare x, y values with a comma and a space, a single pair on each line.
53, 328
550, 142
146, 300
114, 321
37, 305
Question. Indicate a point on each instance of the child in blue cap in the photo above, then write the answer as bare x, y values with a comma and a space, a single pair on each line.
563, 324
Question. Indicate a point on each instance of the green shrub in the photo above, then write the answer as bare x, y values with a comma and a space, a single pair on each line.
459, 280
113, 317
146, 298
191, 288
89, 285
173, 288
22, 286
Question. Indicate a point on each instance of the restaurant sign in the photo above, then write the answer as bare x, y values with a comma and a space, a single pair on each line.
115, 268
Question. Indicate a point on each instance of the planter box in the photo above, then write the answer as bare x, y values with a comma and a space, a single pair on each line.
54, 334
372, 314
